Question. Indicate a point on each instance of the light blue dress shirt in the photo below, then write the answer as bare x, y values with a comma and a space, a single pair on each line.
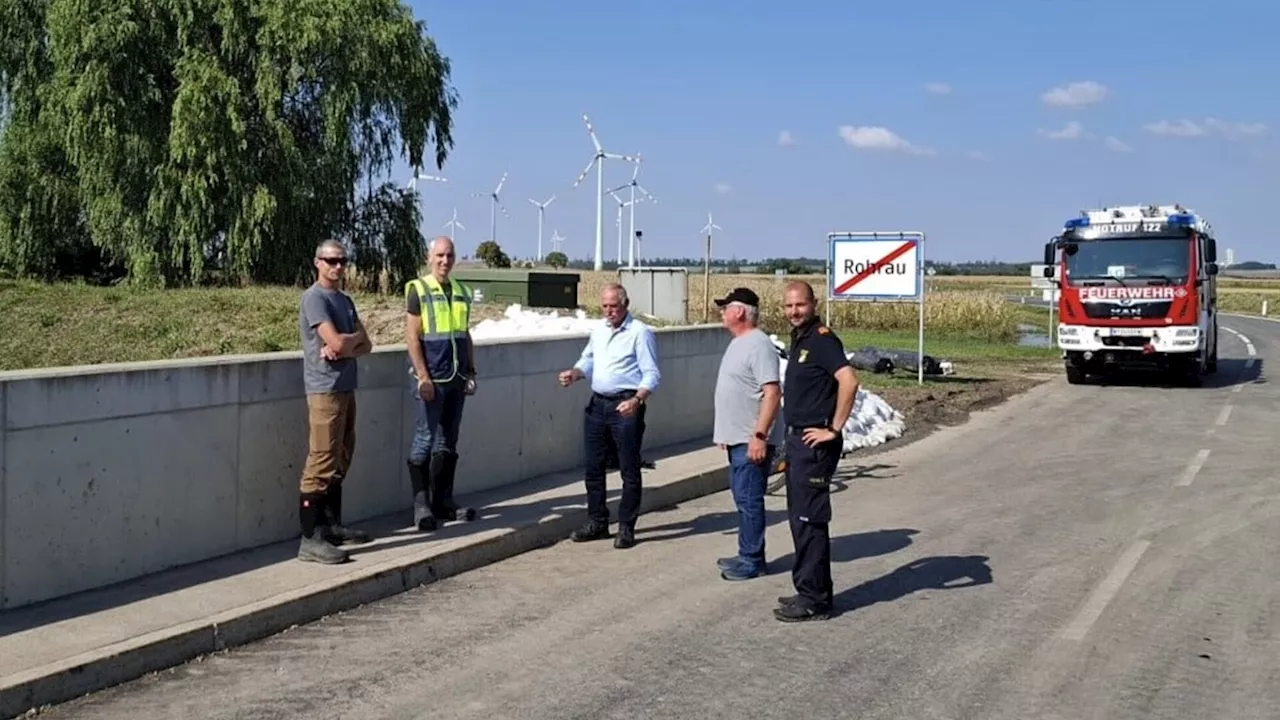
620, 359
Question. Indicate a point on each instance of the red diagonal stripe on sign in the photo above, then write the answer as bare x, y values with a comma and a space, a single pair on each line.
868, 270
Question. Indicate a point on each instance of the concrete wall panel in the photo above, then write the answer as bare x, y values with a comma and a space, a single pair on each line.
112, 472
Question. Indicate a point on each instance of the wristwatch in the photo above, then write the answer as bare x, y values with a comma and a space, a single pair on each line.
760, 436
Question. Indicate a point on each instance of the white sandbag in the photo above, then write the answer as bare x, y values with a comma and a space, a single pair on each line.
871, 422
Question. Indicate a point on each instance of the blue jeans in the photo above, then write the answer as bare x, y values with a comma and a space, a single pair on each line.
436, 423
747, 482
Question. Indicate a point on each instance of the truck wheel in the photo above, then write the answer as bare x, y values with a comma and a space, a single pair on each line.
1075, 375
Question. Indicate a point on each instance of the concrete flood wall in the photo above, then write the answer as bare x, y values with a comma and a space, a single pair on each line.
112, 472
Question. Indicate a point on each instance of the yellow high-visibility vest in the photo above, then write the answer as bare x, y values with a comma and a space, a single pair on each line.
443, 333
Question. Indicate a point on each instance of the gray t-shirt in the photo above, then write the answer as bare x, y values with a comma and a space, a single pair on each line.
750, 361
320, 305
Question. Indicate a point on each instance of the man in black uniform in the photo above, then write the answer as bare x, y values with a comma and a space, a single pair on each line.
818, 393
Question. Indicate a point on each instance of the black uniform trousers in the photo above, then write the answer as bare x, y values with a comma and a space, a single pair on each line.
809, 473
606, 432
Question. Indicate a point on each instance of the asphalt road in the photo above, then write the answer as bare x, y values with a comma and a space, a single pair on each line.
1081, 552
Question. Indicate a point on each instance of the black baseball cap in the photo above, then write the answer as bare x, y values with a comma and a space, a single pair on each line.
740, 295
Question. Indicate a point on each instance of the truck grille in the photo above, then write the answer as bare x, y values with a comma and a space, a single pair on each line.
1136, 311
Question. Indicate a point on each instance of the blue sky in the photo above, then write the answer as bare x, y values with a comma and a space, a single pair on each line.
957, 116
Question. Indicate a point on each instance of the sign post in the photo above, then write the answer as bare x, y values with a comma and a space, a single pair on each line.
878, 267
1049, 285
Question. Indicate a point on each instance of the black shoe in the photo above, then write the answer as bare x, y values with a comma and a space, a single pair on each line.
444, 466
591, 531
422, 517
626, 538
787, 600
800, 612
335, 532
314, 547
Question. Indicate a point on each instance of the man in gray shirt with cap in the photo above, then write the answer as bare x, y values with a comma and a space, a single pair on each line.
748, 395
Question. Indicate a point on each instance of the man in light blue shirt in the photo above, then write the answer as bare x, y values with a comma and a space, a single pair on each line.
621, 359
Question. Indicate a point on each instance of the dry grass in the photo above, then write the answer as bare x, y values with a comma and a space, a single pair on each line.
975, 312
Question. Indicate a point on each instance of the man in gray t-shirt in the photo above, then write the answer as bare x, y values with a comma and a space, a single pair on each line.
332, 338
747, 397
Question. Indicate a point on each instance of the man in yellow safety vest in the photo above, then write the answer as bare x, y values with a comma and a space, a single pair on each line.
437, 333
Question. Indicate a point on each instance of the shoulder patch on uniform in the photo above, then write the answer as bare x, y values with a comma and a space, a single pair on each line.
824, 330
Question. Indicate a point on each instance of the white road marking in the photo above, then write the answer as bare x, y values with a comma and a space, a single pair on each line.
1104, 593
1222, 416
1249, 348
1193, 469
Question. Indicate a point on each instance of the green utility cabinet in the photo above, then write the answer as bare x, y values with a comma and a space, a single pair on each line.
529, 288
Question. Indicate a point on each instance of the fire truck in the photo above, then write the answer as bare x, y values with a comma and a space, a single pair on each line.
1137, 287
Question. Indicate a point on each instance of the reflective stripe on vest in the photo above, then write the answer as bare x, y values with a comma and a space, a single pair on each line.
444, 321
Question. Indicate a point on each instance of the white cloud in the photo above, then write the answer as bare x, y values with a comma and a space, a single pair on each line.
723, 188
1179, 128
786, 138
1187, 129
1072, 131
879, 138
1116, 144
1076, 94
938, 88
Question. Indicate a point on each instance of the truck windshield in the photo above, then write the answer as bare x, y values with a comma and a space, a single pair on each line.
1161, 259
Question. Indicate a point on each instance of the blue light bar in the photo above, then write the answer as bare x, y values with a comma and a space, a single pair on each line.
1076, 223
1182, 219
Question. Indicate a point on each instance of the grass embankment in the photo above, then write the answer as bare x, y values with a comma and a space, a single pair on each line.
71, 324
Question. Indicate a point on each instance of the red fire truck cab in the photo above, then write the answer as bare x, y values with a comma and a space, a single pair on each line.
1138, 287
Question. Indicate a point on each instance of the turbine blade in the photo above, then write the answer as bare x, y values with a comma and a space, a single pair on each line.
500, 184
621, 187
616, 156
553, 199
592, 132
535, 202
583, 176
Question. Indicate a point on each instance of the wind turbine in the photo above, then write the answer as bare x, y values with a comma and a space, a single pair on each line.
541, 209
493, 209
413, 181
598, 160
454, 225
557, 241
622, 205
706, 272
631, 242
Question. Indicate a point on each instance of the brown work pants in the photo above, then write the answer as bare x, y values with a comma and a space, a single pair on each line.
332, 419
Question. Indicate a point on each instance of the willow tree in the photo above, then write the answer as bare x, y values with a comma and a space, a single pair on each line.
178, 140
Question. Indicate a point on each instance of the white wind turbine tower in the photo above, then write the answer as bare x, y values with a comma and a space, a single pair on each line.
631, 242
621, 206
412, 185
706, 268
557, 241
541, 209
454, 225
493, 209
598, 160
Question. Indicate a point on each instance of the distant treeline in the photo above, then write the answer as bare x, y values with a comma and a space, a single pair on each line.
817, 266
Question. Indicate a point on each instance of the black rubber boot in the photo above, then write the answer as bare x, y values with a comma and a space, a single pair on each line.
443, 467
336, 533
422, 517
314, 547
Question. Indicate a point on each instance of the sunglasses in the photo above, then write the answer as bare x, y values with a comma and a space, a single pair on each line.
334, 260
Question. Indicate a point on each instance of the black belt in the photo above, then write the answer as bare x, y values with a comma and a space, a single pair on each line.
616, 397
799, 429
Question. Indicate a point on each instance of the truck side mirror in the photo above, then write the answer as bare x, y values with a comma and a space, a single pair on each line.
1213, 268
1048, 254
1211, 250
1047, 271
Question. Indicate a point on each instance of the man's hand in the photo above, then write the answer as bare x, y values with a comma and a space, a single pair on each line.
471, 385
327, 353
756, 450
628, 407
426, 390
568, 377
816, 436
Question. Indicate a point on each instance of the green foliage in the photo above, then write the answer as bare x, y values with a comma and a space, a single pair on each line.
556, 259
177, 141
491, 254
